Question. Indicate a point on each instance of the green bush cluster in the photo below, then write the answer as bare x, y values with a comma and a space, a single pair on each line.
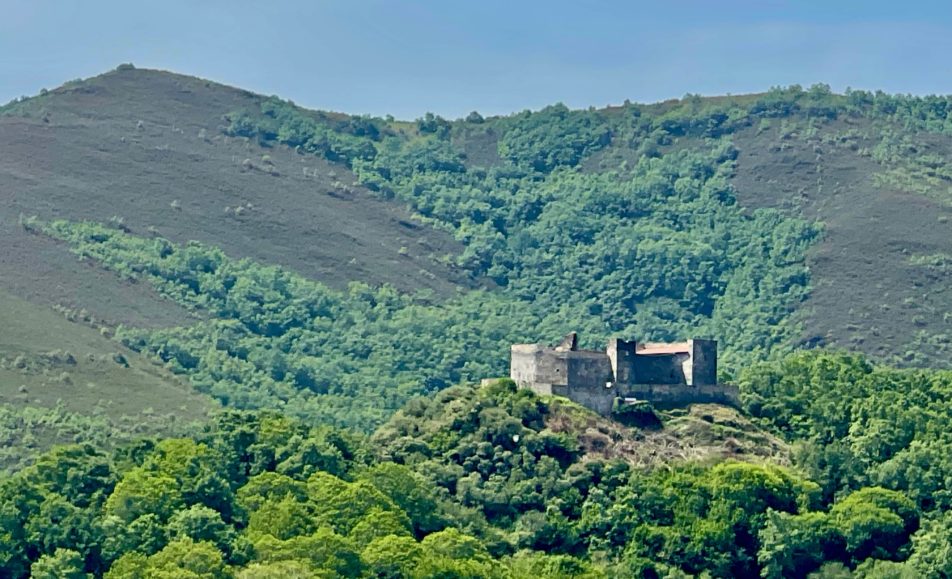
859, 424
470, 483
280, 341
24, 428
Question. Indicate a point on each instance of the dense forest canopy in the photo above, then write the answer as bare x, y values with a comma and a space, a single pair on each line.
471, 483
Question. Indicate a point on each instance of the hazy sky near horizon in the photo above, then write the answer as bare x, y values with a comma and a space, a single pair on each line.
448, 57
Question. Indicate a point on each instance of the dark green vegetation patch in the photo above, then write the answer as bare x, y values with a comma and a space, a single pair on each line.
651, 245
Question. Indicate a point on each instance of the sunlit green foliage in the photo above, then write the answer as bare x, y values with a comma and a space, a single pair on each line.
860, 425
469, 483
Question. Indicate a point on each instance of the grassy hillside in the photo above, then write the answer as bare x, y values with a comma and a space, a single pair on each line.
188, 159
144, 147
142, 150
881, 190
62, 381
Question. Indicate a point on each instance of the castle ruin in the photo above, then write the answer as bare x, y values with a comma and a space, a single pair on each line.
626, 372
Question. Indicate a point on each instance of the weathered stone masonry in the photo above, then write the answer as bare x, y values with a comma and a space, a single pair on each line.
663, 374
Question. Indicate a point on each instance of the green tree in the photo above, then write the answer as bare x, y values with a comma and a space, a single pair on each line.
875, 522
796, 545
145, 534
269, 486
537, 565
182, 558
392, 556
282, 570
324, 550
201, 523
342, 505
378, 524
142, 492
62, 564
932, 548
282, 518
410, 492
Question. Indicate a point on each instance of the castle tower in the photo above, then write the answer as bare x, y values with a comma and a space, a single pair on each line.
622, 356
703, 362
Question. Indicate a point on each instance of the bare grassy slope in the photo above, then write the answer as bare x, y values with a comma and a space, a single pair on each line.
144, 146
874, 289
43, 271
699, 432
62, 381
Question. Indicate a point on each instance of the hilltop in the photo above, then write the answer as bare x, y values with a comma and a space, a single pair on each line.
143, 150
145, 147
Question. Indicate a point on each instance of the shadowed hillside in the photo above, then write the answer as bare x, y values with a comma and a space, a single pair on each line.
144, 147
880, 273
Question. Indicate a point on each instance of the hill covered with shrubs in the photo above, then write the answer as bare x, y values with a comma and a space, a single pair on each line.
474, 482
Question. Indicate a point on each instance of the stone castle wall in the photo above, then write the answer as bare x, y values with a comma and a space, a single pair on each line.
590, 381
666, 375
704, 361
663, 369
668, 395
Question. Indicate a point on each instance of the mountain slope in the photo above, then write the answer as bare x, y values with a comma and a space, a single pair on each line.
869, 169
62, 381
134, 143
880, 285
144, 147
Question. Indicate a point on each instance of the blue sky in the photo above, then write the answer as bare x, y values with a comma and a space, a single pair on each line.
451, 57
